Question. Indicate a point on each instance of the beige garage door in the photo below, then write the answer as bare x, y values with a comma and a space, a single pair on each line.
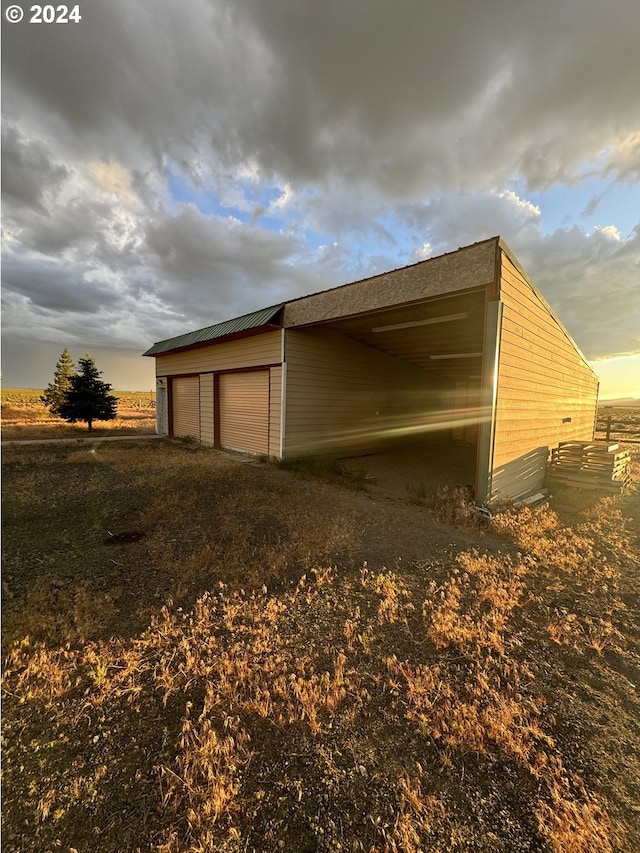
186, 406
244, 411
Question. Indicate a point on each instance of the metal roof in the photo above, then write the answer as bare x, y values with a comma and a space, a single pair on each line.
220, 330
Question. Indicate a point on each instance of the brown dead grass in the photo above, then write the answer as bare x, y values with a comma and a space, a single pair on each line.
283, 700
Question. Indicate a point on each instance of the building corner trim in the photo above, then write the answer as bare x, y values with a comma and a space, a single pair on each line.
493, 333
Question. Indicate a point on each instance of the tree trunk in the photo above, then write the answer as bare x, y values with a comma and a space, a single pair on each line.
89, 424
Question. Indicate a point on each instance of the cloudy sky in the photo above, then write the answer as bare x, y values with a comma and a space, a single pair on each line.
167, 165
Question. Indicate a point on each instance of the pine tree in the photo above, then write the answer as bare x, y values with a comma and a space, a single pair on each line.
54, 392
87, 398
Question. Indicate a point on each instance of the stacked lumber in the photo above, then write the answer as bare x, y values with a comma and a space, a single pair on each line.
590, 464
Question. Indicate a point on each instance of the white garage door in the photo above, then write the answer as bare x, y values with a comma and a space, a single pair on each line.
186, 406
244, 411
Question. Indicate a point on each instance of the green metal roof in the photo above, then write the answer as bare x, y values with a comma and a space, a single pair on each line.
220, 330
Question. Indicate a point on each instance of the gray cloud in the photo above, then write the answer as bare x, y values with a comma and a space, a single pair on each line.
214, 266
425, 95
591, 281
433, 95
72, 226
27, 172
53, 286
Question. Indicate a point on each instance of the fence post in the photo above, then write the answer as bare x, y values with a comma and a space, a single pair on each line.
608, 428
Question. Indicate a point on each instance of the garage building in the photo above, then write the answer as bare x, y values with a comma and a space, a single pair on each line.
462, 345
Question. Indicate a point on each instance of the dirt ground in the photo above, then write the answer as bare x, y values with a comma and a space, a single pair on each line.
379, 525
417, 470
203, 652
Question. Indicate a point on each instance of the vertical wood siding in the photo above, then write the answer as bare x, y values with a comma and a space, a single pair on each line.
275, 410
343, 397
543, 381
206, 408
244, 411
186, 406
251, 351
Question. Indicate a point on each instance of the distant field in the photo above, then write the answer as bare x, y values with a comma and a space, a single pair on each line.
624, 424
31, 397
25, 417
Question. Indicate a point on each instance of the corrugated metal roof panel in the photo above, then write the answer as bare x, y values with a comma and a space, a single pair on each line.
220, 330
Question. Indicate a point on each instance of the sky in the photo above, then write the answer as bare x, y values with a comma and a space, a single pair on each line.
166, 165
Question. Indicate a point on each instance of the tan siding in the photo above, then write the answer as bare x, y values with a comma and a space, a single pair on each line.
185, 392
532, 346
206, 408
251, 351
535, 381
542, 380
344, 397
275, 410
244, 411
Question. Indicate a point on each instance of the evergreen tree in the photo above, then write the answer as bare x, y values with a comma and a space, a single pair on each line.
54, 392
87, 398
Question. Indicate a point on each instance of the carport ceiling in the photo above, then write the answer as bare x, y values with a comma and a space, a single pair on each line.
443, 336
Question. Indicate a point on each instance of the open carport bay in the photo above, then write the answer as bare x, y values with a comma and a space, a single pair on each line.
398, 388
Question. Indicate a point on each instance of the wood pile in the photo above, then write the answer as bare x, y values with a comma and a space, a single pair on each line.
597, 465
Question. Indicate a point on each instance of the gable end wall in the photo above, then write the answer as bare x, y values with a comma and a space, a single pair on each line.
543, 381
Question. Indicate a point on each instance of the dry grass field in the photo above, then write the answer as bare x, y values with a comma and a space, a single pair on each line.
24, 417
206, 653
623, 422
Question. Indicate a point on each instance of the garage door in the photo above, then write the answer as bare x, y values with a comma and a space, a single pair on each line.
244, 411
186, 406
